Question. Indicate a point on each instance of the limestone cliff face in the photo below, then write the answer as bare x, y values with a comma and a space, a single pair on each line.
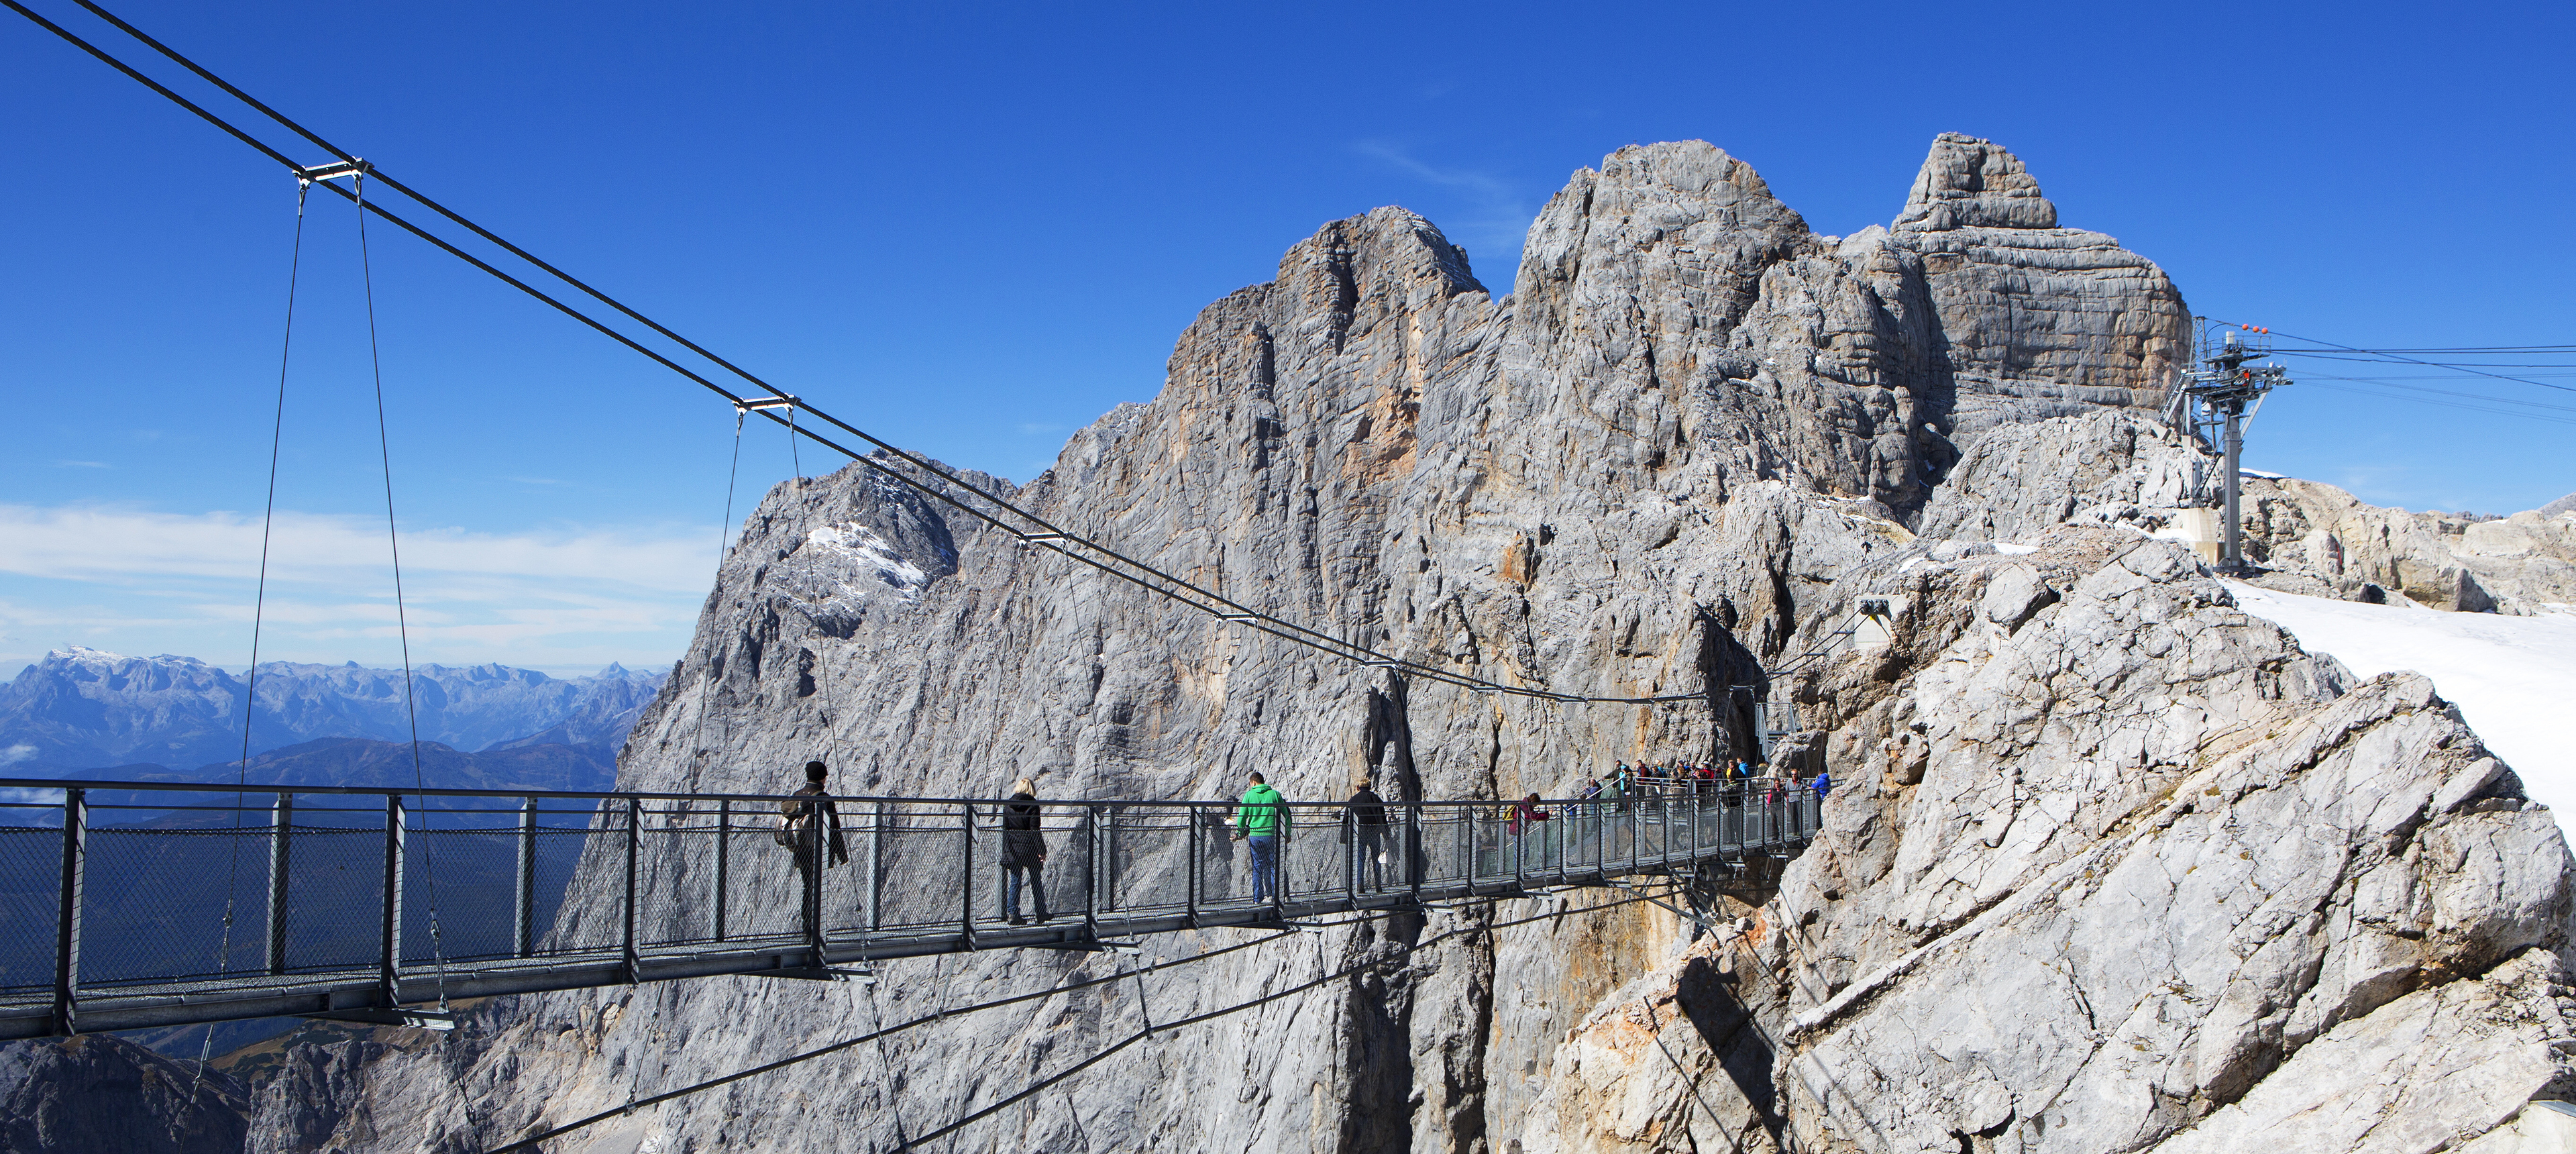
1669, 460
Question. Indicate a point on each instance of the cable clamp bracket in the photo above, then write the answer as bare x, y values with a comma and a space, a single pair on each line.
755, 404
333, 171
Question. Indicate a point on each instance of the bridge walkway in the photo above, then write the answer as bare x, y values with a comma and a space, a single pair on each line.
126, 905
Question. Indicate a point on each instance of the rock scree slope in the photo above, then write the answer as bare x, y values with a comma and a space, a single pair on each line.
2114, 867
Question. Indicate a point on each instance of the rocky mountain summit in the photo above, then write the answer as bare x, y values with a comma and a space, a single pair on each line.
82, 708
2114, 866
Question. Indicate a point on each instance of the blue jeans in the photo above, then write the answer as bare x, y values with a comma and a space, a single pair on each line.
1265, 866
1368, 870
1011, 875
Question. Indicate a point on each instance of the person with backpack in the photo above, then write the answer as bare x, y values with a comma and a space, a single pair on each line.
808, 824
1262, 820
1824, 784
1367, 818
1023, 854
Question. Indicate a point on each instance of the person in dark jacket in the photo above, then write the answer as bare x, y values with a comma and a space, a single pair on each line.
1023, 852
1368, 827
808, 825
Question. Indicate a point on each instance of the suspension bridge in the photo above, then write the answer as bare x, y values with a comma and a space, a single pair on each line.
174, 905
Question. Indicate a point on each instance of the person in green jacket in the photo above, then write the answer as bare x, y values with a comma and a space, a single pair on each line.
1263, 820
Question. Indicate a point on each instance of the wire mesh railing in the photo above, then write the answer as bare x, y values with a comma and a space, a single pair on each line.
122, 890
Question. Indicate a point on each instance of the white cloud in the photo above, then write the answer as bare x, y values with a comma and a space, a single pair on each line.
150, 582
16, 753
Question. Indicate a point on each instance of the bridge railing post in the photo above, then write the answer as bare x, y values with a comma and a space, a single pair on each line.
67, 932
281, 817
1520, 849
1467, 851
1695, 813
1413, 862
966, 878
1350, 858
1190, 878
523, 896
1106, 819
724, 865
1636, 815
1091, 839
876, 867
390, 966
634, 848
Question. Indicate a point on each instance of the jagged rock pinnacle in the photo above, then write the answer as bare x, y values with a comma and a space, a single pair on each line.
1969, 182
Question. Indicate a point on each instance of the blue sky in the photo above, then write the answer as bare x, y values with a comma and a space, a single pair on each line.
972, 229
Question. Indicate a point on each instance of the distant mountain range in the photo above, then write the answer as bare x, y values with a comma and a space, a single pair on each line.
367, 763
83, 709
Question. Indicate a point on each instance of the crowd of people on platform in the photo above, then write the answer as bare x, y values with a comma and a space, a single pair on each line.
1657, 778
810, 824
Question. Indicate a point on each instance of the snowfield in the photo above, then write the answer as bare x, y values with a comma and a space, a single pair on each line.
2514, 678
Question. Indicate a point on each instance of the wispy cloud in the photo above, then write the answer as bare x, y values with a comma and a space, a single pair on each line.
141, 581
16, 753
1492, 212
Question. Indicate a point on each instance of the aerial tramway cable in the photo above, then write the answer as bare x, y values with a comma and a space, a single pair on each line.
932, 481
2389, 355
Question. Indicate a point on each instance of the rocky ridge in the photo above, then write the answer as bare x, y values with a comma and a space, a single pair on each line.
1678, 454
2121, 868
2318, 539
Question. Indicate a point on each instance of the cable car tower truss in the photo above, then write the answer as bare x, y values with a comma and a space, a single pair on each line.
2213, 400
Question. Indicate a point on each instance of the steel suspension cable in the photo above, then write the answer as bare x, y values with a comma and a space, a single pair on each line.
258, 617
402, 617
534, 1141
937, 483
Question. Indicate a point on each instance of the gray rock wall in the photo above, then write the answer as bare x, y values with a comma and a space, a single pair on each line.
1659, 467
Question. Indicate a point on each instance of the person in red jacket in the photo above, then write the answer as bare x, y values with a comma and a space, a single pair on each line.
1526, 814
